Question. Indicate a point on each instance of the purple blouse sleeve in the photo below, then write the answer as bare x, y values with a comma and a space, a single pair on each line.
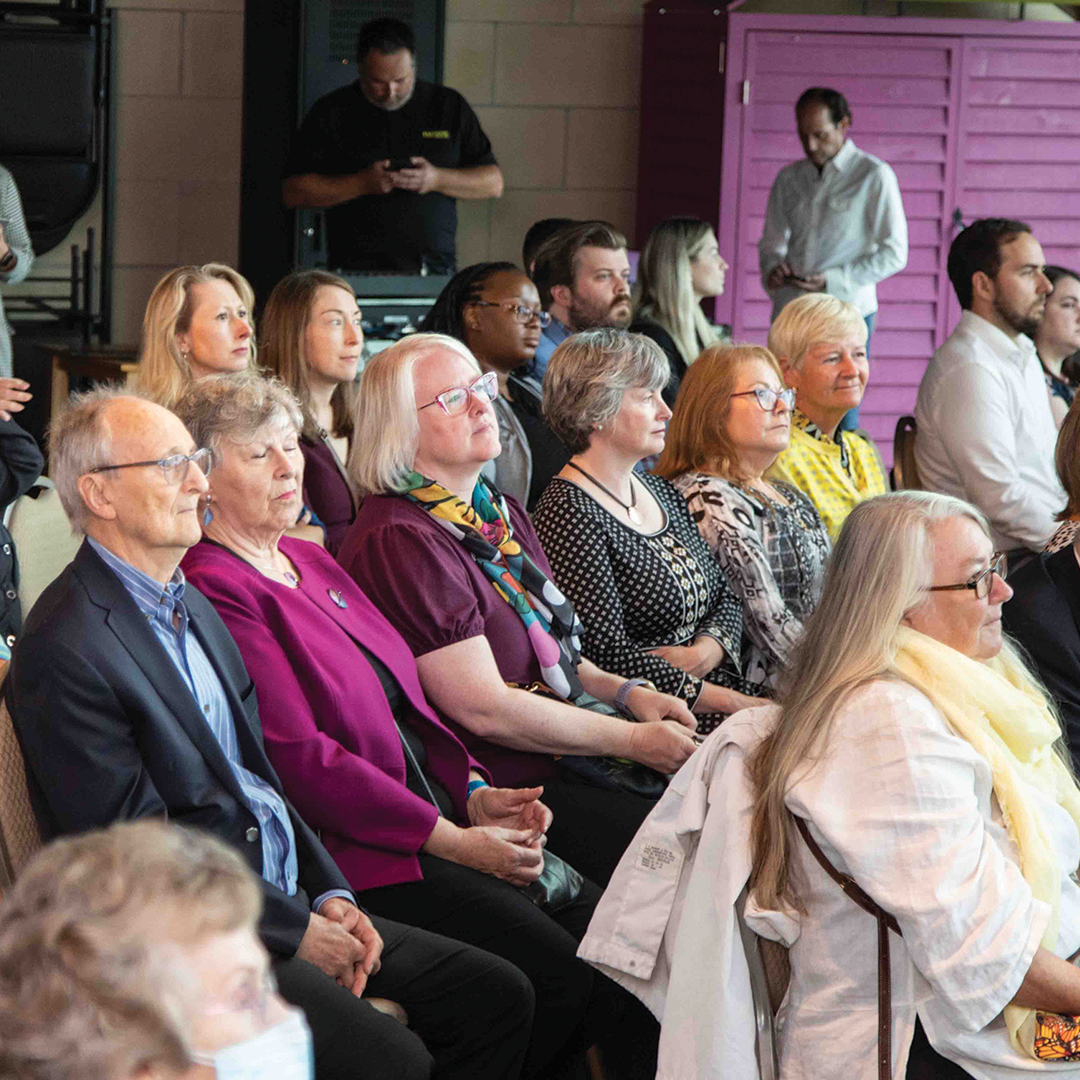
419, 583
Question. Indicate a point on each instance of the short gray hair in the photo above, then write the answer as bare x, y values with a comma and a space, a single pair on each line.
588, 374
387, 430
235, 407
92, 939
809, 320
79, 441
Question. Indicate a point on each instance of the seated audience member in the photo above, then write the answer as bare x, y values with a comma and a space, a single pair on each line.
416, 829
583, 274
130, 699
820, 343
199, 321
538, 233
915, 755
985, 428
1044, 613
1058, 337
459, 572
494, 309
652, 598
132, 953
20, 466
680, 266
730, 424
312, 339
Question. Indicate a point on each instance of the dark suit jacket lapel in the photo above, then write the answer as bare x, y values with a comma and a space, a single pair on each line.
134, 633
1064, 571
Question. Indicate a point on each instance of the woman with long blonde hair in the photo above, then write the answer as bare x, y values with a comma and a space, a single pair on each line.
919, 757
732, 419
198, 321
313, 341
680, 266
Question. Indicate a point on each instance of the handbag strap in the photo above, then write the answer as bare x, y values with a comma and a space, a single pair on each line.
885, 923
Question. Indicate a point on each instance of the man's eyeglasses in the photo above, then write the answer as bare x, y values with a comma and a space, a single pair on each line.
767, 397
525, 315
984, 582
455, 401
174, 468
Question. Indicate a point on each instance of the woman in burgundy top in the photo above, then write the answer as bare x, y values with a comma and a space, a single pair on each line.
426, 429
408, 814
312, 340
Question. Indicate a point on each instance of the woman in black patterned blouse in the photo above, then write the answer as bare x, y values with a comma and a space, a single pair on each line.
653, 600
731, 420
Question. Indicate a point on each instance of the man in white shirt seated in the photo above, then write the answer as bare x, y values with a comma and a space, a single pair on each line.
985, 430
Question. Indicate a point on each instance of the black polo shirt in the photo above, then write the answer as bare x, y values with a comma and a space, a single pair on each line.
344, 133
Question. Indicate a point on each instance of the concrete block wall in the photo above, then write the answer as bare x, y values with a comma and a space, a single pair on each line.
555, 85
179, 73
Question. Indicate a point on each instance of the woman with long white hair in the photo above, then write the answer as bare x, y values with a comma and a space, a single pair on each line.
680, 266
915, 753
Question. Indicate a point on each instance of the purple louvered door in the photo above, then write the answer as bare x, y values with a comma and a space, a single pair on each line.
971, 122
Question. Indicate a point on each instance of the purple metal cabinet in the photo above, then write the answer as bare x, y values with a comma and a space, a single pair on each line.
978, 118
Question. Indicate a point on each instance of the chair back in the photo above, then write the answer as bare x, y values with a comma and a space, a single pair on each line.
905, 475
44, 542
20, 836
770, 971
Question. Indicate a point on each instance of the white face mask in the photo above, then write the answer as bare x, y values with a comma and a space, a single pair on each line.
283, 1052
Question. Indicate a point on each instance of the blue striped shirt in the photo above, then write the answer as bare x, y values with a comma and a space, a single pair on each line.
161, 607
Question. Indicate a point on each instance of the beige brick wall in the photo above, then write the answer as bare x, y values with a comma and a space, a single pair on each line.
556, 86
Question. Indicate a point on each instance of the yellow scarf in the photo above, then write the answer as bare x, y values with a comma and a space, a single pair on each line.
995, 707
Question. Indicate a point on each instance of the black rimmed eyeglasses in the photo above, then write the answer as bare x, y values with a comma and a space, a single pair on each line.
767, 397
522, 312
982, 583
174, 467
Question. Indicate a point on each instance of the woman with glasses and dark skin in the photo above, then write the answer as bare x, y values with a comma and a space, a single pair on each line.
459, 571
731, 422
624, 549
494, 309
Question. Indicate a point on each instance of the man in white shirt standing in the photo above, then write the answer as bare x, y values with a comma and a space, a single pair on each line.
835, 221
985, 430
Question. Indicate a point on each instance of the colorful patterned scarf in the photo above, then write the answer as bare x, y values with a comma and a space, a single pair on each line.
484, 528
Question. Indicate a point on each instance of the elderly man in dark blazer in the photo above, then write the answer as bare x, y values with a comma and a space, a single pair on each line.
130, 699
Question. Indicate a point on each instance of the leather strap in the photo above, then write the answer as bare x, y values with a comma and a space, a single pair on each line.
885, 923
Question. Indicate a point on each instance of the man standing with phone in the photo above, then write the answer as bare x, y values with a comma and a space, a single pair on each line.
389, 156
835, 221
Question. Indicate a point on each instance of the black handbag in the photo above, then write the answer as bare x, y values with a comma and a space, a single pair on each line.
558, 886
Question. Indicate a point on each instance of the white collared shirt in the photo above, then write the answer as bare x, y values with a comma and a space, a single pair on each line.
846, 222
986, 433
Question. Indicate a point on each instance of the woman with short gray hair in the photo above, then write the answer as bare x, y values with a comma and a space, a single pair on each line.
655, 605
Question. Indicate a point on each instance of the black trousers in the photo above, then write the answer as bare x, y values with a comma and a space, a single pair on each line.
469, 1012
592, 827
576, 1006
925, 1063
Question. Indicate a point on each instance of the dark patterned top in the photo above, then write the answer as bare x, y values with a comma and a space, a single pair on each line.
635, 593
773, 555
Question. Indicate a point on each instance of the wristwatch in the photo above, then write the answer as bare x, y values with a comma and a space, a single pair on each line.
624, 692
8, 261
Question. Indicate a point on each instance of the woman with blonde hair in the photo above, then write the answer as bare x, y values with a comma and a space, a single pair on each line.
732, 419
916, 754
680, 267
198, 321
313, 341
820, 343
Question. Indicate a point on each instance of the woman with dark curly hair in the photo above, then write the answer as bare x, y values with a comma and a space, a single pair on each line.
494, 309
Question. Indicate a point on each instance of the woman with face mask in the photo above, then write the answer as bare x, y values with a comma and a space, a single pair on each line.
131, 954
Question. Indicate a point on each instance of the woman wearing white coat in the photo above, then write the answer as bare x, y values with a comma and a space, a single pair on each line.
925, 763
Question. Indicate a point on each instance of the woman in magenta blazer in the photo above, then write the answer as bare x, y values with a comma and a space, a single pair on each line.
410, 817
